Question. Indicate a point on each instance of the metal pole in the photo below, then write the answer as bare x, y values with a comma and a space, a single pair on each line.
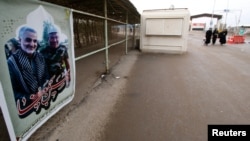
133, 37
239, 17
211, 23
126, 32
237, 24
227, 10
106, 36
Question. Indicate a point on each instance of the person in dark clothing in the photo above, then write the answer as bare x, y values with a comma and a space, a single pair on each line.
57, 60
28, 73
222, 36
208, 36
215, 36
11, 46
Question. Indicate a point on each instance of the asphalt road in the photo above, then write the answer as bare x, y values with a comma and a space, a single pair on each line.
159, 97
175, 97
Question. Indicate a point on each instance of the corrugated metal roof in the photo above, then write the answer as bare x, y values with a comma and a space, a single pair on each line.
116, 9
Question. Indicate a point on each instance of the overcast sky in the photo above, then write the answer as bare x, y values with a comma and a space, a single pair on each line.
239, 10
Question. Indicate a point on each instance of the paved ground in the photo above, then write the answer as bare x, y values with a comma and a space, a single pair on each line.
151, 97
175, 97
165, 97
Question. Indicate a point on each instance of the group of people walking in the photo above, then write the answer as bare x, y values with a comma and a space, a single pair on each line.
214, 35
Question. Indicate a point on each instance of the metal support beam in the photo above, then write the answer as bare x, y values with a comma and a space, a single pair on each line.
106, 37
126, 32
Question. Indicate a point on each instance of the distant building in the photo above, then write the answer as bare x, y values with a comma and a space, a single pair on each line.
205, 21
240, 30
246, 29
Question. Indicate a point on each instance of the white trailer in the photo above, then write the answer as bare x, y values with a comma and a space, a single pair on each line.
164, 30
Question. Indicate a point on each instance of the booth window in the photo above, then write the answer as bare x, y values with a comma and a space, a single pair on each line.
164, 26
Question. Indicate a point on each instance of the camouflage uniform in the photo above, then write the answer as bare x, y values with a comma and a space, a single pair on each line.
55, 59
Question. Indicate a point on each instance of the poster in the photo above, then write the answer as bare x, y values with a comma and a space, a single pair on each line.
37, 63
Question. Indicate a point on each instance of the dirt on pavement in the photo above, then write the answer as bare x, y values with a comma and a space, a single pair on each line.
164, 96
175, 97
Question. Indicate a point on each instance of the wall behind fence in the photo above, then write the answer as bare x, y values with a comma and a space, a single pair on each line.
90, 51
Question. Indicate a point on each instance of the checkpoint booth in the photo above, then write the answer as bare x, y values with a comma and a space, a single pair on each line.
164, 30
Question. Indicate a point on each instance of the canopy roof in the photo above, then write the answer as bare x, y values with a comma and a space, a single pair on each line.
206, 15
116, 9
